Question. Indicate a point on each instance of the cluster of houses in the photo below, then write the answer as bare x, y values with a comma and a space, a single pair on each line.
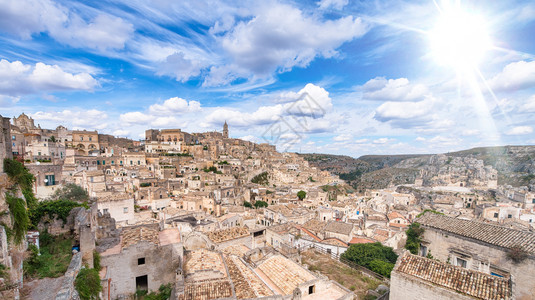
172, 209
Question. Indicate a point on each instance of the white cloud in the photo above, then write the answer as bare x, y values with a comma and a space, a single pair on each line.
470, 132
342, 137
179, 67
520, 130
403, 110
393, 90
311, 102
250, 138
17, 78
27, 17
175, 105
280, 37
135, 117
121, 132
529, 106
382, 141
517, 75
336, 4
361, 141
6, 101
162, 115
420, 139
82, 119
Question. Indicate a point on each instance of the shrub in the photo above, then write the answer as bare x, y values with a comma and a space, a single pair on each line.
414, 234
261, 178
59, 209
258, 204
381, 267
96, 261
21, 222
72, 192
372, 255
247, 204
301, 195
164, 292
87, 284
19, 173
517, 254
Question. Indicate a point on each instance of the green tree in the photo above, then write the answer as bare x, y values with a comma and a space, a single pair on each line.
52, 139
258, 204
381, 267
365, 254
414, 234
72, 192
247, 204
301, 195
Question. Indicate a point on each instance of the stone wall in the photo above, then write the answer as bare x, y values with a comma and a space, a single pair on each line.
403, 286
482, 257
161, 265
67, 290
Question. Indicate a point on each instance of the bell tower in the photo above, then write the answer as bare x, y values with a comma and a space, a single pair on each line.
225, 130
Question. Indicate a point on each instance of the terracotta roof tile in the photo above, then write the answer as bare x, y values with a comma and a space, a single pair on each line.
488, 233
227, 234
284, 273
462, 280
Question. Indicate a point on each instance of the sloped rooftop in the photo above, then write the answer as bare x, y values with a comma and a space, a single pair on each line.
284, 273
462, 280
246, 283
227, 234
487, 233
339, 227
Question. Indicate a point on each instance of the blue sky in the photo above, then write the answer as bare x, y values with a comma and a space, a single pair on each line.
330, 76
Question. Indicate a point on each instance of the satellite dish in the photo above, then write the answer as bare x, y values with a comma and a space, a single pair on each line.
46, 180
37, 163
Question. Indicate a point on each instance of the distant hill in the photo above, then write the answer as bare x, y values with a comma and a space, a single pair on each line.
515, 166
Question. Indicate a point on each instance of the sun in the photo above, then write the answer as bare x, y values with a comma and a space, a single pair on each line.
459, 39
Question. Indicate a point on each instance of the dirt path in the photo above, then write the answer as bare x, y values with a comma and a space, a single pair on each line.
39, 289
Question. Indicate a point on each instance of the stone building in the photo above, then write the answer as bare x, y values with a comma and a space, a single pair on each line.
24, 123
481, 247
144, 259
419, 278
85, 142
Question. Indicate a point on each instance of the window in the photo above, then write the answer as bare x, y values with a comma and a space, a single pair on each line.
311, 289
509, 216
112, 162
461, 262
91, 178
81, 138
138, 162
121, 162
533, 201
39, 153
125, 210
495, 215
103, 162
131, 162
141, 261
13, 137
90, 138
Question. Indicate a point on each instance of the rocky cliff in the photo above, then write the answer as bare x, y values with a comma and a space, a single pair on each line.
512, 165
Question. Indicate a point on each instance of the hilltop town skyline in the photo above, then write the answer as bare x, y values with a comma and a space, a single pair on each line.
399, 77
